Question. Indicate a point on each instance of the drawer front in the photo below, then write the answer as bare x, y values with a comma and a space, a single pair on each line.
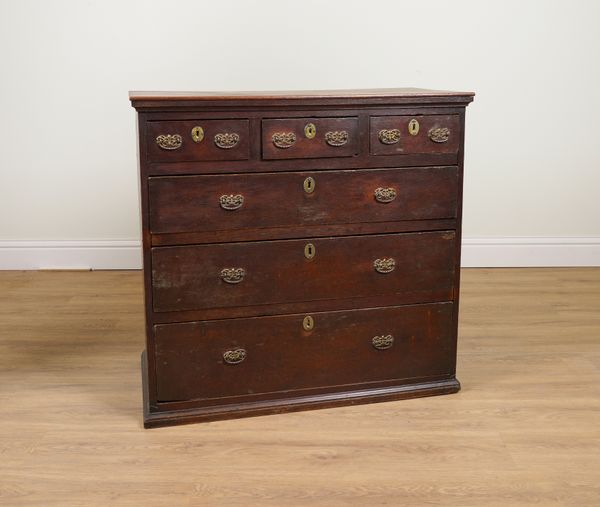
309, 138
197, 140
237, 357
268, 272
225, 202
399, 135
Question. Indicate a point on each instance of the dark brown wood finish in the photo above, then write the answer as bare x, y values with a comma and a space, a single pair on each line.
420, 142
309, 138
301, 231
256, 162
208, 146
193, 203
338, 350
189, 277
193, 313
180, 100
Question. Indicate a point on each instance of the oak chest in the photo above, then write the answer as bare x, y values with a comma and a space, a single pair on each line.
301, 249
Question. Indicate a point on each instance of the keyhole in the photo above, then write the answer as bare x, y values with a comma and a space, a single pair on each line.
308, 323
310, 130
309, 185
413, 127
197, 134
309, 251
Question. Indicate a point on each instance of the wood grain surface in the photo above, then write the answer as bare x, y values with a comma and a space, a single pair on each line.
207, 149
188, 204
418, 143
524, 430
188, 277
315, 147
285, 360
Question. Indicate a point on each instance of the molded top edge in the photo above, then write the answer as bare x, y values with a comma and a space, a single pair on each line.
183, 98
295, 94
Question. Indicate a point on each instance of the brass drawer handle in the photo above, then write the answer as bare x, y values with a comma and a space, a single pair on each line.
234, 356
169, 141
385, 265
439, 134
284, 140
231, 202
227, 141
336, 138
233, 275
383, 342
389, 136
385, 195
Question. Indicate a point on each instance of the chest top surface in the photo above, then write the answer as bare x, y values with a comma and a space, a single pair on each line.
152, 99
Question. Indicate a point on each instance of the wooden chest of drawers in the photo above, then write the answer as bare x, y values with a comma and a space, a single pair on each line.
301, 250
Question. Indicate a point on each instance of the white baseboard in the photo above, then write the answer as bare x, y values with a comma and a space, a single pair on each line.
126, 254
530, 252
66, 254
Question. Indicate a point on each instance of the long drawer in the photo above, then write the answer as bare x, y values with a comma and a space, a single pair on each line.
269, 272
241, 357
231, 202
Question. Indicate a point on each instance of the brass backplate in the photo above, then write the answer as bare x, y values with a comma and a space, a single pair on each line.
235, 356
439, 134
309, 251
233, 275
308, 323
197, 134
227, 140
310, 131
169, 141
383, 342
385, 265
231, 202
309, 185
413, 127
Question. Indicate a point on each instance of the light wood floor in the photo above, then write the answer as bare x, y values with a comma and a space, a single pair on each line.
524, 430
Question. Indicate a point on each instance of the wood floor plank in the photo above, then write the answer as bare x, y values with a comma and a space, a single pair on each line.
525, 429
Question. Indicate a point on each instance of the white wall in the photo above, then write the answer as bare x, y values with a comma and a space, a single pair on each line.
68, 161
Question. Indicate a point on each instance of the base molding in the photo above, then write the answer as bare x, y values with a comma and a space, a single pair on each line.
70, 254
522, 252
278, 406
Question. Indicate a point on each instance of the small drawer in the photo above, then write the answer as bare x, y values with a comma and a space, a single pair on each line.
197, 140
288, 138
228, 275
251, 356
403, 135
233, 202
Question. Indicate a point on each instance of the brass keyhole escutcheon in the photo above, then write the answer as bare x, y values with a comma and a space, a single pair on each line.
413, 127
309, 251
309, 185
310, 131
308, 323
197, 134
